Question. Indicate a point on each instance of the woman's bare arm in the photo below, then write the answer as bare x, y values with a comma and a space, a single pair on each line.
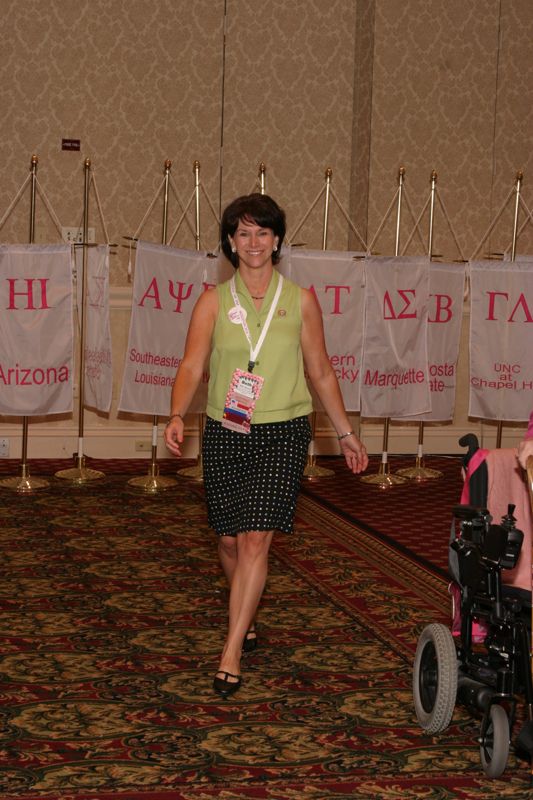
190, 371
325, 382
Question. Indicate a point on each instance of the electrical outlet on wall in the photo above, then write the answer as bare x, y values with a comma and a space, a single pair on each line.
4, 448
74, 235
143, 446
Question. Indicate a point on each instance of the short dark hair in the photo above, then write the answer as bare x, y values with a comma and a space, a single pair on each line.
259, 209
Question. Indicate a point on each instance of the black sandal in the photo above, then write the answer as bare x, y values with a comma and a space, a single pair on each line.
225, 687
250, 642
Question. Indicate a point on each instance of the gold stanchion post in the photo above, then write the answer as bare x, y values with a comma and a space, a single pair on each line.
26, 484
154, 482
420, 472
196, 472
262, 171
519, 178
312, 471
383, 478
80, 473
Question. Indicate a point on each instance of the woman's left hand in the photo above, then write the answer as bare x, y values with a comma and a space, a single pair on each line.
354, 453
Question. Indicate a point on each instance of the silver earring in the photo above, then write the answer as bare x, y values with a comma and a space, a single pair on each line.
274, 249
233, 249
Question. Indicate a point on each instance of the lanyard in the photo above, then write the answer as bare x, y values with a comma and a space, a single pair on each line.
254, 351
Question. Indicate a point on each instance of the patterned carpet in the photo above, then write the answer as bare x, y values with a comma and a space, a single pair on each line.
111, 622
413, 517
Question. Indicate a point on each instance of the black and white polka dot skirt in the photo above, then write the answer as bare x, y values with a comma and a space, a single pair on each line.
252, 480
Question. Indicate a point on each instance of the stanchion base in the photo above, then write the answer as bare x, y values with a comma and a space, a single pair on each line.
196, 472
24, 484
419, 474
383, 479
153, 482
312, 471
79, 475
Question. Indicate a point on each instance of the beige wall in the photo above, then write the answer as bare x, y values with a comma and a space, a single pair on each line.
289, 103
452, 92
359, 86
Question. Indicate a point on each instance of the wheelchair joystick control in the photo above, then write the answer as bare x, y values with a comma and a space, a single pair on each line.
509, 518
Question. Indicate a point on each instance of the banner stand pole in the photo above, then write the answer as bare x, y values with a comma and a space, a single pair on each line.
260, 181
25, 484
419, 472
262, 185
383, 478
197, 471
154, 482
312, 471
519, 178
80, 473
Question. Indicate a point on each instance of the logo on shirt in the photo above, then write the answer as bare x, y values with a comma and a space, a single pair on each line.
237, 314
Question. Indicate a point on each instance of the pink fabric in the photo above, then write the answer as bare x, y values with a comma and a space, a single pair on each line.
477, 458
507, 485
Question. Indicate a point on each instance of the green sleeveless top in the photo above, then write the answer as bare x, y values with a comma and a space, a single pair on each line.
285, 394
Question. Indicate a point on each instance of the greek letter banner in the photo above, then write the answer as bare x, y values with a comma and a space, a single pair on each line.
166, 285
98, 371
445, 313
501, 339
36, 336
395, 381
336, 279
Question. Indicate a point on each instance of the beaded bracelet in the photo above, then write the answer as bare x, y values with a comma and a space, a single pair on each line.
344, 435
177, 414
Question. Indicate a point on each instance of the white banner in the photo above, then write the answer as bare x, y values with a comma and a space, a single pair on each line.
336, 279
445, 313
166, 285
36, 336
395, 379
98, 369
501, 339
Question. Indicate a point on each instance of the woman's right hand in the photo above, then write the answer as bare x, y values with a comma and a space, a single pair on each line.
174, 435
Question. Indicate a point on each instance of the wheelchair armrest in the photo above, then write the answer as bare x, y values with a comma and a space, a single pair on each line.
469, 512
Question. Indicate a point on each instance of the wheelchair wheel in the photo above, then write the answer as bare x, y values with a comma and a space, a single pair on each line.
435, 678
494, 742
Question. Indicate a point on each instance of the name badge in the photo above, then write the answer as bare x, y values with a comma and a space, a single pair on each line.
243, 392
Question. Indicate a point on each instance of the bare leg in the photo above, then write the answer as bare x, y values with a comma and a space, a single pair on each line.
247, 586
227, 553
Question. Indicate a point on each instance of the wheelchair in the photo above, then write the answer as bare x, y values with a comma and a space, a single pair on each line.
484, 663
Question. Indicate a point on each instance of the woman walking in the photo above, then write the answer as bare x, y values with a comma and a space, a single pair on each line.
258, 330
